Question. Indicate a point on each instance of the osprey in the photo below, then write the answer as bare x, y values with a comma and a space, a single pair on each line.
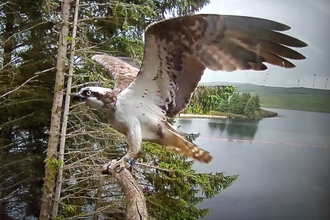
176, 53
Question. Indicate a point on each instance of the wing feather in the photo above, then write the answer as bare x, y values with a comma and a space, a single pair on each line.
121, 69
177, 51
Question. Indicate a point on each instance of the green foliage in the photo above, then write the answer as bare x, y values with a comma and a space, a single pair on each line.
250, 108
206, 98
69, 208
244, 104
55, 163
173, 194
245, 98
236, 105
257, 104
224, 101
24, 109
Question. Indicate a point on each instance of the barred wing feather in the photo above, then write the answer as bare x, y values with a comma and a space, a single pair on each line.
178, 50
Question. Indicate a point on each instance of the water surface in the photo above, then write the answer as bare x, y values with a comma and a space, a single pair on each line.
283, 165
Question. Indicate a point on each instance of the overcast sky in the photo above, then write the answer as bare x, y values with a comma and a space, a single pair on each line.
309, 21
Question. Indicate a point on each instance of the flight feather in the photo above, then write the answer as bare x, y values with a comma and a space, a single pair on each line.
121, 69
178, 50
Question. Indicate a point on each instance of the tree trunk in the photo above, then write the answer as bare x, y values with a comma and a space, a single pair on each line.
56, 115
98, 197
59, 179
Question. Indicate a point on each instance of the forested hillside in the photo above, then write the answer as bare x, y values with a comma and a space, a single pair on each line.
296, 98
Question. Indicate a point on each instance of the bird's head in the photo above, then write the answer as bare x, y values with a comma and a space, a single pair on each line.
92, 95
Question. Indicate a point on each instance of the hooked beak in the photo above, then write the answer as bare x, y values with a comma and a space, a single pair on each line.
78, 97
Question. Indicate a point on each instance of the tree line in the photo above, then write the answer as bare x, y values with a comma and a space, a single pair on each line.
207, 99
242, 104
42, 178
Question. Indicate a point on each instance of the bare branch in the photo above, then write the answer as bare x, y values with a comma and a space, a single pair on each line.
152, 167
7, 93
3, 4
28, 80
136, 208
9, 196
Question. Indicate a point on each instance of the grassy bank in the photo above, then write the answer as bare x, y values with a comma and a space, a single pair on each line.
304, 102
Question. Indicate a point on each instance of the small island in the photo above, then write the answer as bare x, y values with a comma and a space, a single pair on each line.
225, 102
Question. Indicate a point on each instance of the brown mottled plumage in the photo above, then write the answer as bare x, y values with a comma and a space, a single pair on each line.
177, 52
123, 73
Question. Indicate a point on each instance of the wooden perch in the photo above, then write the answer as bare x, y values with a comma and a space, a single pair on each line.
136, 208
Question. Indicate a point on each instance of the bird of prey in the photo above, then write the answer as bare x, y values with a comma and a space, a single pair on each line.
176, 53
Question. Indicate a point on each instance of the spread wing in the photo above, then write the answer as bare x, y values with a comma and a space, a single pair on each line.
122, 70
177, 51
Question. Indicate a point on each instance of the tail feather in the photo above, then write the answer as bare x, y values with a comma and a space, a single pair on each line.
175, 141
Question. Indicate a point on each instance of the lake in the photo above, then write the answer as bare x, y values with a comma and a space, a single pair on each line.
283, 165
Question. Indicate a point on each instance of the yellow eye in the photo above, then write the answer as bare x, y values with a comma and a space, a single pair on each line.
88, 92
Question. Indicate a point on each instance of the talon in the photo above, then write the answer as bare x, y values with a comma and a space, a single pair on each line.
106, 167
120, 168
110, 163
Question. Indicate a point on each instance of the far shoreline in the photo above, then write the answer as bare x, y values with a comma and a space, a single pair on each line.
202, 116
225, 115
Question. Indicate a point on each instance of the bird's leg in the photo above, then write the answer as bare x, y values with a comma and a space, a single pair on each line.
134, 139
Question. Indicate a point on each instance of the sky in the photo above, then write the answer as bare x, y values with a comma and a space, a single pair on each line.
309, 21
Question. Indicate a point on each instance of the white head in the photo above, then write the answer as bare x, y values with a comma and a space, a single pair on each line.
92, 95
